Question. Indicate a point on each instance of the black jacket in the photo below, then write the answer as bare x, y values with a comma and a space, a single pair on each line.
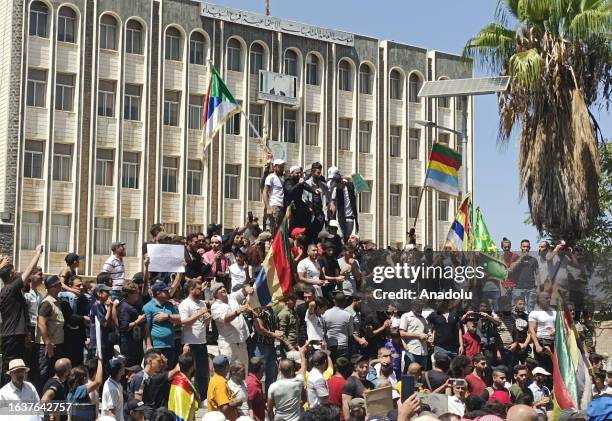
340, 205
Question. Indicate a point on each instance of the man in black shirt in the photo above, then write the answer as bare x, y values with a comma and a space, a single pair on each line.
357, 383
331, 271
318, 203
14, 310
154, 387
132, 325
525, 272
435, 379
193, 256
301, 310
446, 325
55, 388
294, 187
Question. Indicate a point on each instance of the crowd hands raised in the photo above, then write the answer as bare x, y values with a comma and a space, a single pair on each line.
315, 355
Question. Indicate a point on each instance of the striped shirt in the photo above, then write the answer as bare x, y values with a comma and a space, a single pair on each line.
114, 266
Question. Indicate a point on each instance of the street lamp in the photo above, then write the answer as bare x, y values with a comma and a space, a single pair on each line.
462, 136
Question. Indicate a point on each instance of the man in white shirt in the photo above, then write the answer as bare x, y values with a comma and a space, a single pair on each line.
238, 271
227, 313
195, 318
274, 195
112, 393
415, 330
309, 271
18, 390
316, 387
285, 394
114, 266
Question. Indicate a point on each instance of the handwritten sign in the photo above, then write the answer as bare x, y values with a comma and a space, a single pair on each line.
166, 257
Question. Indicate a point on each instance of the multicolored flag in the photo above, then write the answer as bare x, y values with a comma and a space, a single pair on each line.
219, 106
183, 400
460, 229
275, 279
488, 257
442, 172
571, 379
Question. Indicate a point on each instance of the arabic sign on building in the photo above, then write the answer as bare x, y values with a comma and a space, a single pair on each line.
275, 24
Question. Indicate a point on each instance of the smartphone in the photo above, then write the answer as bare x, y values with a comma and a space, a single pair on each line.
314, 342
407, 386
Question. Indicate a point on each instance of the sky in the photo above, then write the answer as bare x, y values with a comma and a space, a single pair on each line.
443, 25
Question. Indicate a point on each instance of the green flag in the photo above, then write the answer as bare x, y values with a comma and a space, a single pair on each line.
488, 256
482, 239
360, 184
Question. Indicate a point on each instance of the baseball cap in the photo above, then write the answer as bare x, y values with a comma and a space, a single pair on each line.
220, 361
160, 286
134, 369
331, 171
72, 258
441, 357
324, 234
116, 362
337, 177
215, 288
51, 281
135, 405
101, 287
116, 244
138, 277
264, 236
278, 161
540, 370
297, 231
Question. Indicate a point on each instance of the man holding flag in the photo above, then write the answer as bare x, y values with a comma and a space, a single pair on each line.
184, 400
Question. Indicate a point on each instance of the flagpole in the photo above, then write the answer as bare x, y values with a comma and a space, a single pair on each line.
252, 126
416, 218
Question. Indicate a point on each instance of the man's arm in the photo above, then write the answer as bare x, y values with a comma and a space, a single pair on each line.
266, 197
33, 262
345, 405
302, 277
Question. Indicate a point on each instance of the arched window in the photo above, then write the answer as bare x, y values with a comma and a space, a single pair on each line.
291, 63
395, 84
365, 79
256, 58
66, 25
133, 37
234, 53
39, 14
173, 44
108, 32
197, 48
344, 76
312, 70
414, 87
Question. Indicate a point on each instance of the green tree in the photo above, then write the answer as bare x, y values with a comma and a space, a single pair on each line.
559, 56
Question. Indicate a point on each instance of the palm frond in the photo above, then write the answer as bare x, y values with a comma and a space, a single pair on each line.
505, 11
526, 69
491, 47
534, 11
590, 23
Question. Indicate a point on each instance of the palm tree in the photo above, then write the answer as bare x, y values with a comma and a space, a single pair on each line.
559, 56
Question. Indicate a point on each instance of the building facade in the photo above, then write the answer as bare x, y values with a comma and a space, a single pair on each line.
100, 123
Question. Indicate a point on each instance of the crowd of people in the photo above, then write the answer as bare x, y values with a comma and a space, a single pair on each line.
118, 345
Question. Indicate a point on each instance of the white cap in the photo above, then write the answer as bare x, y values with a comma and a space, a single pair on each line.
540, 370
334, 223
295, 168
294, 356
331, 171
278, 161
214, 416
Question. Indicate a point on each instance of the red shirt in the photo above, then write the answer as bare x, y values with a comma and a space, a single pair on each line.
335, 385
477, 386
471, 343
256, 397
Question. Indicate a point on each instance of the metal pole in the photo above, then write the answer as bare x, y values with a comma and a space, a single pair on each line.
267, 7
264, 142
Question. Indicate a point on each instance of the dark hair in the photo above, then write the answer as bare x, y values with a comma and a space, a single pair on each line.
525, 241
319, 358
519, 367
308, 288
500, 369
473, 403
78, 377
256, 364
478, 358
459, 366
325, 412
524, 399
344, 367
6, 273
286, 367
128, 288
163, 414
149, 355
320, 302
186, 362
92, 367
595, 358
316, 166
156, 229
103, 278
191, 237
193, 283
114, 370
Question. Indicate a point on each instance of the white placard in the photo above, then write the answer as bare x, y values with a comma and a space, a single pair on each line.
278, 87
166, 257
99, 338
